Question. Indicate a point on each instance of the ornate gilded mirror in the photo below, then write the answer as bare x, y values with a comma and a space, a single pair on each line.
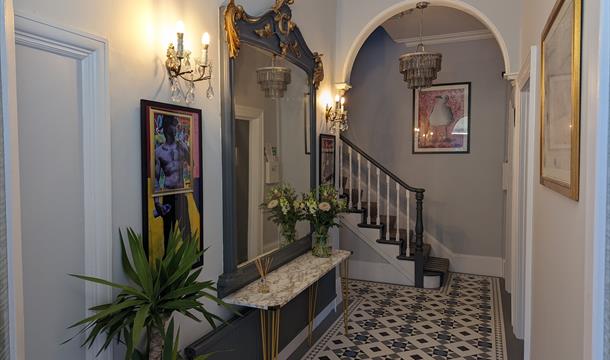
269, 82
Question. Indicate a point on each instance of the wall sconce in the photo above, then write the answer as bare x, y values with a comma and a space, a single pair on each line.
179, 66
337, 116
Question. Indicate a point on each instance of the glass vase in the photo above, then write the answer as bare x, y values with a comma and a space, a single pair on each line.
288, 233
263, 286
321, 248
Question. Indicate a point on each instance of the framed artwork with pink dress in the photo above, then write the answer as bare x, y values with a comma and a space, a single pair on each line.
441, 119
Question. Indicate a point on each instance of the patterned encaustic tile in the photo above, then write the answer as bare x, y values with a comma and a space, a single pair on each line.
462, 320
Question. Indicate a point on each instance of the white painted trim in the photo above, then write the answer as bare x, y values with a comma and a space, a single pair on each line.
450, 38
302, 336
522, 201
345, 73
256, 189
464, 263
594, 171
92, 52
531, 169
12, 180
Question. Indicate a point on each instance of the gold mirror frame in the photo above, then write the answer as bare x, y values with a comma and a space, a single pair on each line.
275, 32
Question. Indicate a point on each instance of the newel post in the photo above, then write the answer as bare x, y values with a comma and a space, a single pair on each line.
419, 240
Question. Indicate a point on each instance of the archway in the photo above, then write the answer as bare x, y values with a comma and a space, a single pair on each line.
346, 70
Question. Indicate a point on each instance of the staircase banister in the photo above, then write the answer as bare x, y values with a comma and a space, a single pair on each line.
381, 167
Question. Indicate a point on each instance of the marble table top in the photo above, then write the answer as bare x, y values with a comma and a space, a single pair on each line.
286, 282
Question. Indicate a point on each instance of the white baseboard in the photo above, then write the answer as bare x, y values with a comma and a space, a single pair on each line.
302, 336
463, 263
376, 271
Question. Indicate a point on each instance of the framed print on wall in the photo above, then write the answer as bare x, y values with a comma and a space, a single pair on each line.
172, 189
327, 159
560, 102
441, 119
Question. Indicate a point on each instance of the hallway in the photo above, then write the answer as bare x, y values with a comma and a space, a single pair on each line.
463, 320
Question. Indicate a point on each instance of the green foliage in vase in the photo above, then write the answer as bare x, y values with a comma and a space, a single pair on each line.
322, 207
158, 289
284, 208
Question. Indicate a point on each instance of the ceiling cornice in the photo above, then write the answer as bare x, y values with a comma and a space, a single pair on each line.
448, 38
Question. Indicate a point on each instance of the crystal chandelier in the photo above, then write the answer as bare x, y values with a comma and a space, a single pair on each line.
273, 80
179, 65
420, 67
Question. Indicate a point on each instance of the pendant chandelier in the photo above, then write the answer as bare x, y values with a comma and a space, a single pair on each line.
273, 80
420, 67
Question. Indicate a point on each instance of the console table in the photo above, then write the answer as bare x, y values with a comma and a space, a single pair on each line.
285, 283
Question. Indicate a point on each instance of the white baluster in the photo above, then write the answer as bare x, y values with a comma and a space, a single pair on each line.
350, 177
387, 207
378, 203
368, 191
397, 212
359, 185
340, 166
408, 193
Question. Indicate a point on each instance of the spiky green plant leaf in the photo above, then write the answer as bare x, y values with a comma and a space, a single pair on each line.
157, 290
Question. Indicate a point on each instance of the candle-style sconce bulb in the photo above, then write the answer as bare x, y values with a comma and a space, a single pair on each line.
179, 66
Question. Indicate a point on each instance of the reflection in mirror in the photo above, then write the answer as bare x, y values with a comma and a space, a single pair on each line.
271, 108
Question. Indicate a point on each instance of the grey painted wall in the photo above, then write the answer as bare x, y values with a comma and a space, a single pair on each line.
463, 207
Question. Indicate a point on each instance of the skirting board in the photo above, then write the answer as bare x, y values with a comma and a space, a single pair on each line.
302, 336
376, 271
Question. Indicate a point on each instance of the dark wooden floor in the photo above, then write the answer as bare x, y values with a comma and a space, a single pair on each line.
514, 346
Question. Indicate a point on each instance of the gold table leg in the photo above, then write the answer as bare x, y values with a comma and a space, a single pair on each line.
344, 273
313, 298
270, 333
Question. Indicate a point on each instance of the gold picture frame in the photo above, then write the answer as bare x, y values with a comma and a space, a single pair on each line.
560, 99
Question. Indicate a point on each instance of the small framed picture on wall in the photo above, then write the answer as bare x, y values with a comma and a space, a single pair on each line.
441, 119
328, 145
172, 192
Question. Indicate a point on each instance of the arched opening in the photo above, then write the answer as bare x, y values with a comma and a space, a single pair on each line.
346, 70
466, 118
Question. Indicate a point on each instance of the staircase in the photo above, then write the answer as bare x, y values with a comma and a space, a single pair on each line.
379, 214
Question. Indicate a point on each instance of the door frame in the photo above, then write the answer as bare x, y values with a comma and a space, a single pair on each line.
524, 146
92, 53
8, 76
256, 118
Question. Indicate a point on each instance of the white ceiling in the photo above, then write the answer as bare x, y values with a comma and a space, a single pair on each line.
438, 20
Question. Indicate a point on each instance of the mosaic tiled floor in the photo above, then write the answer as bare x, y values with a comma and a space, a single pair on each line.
463, 320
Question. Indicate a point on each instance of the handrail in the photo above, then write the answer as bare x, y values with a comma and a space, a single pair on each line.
419, 208
381, 167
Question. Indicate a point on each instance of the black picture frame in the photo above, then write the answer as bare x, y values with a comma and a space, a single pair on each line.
415, 121
187, 198
322, 153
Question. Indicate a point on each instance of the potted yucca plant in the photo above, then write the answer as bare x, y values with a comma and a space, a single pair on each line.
142, 311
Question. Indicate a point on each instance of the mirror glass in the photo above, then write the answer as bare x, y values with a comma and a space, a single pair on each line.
271, 99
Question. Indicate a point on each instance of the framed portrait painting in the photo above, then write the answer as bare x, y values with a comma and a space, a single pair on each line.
441, 119
327, 159
172, 192
560, 103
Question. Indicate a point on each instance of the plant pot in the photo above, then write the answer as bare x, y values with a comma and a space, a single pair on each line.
288, 232
320, 245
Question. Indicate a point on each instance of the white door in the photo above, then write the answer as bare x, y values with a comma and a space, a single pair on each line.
65, 193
